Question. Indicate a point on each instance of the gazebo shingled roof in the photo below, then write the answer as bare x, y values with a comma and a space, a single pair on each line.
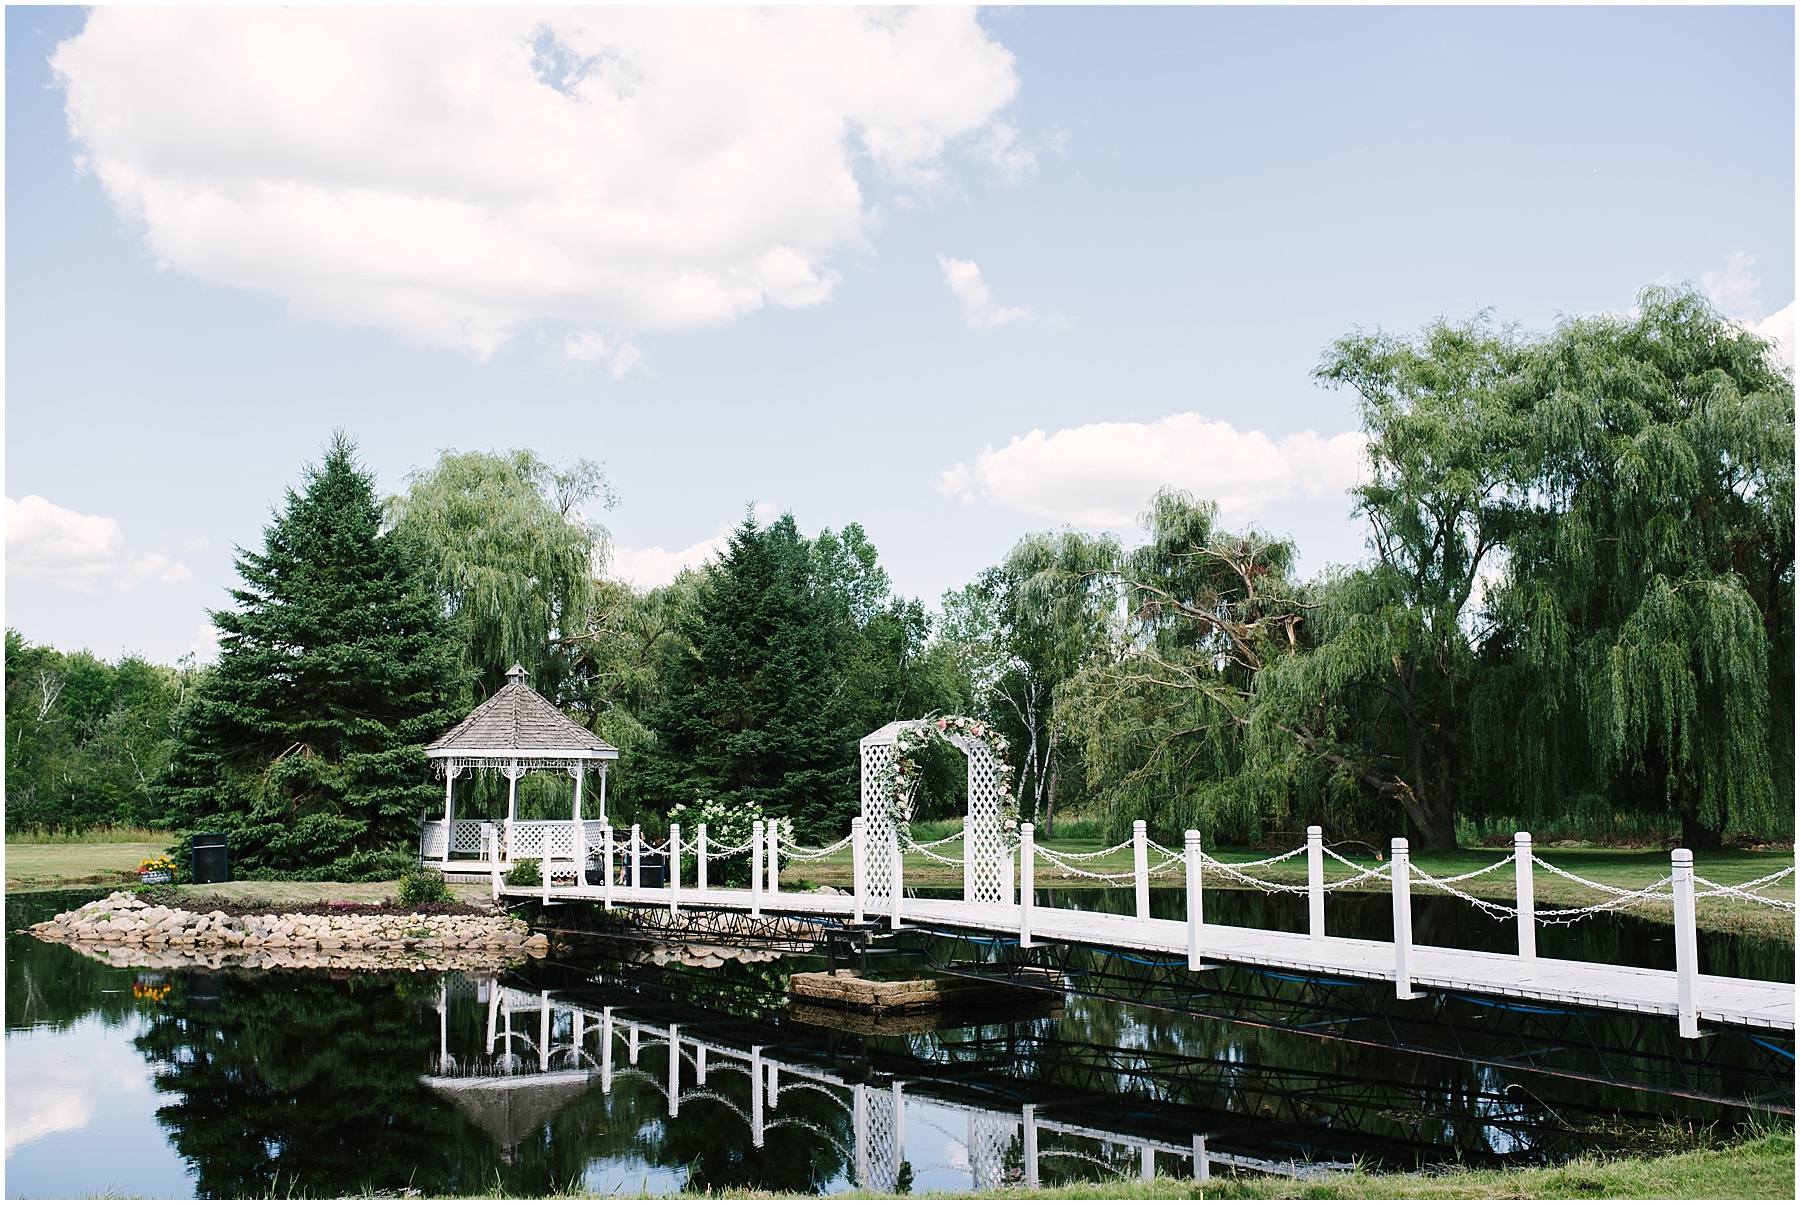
518, 720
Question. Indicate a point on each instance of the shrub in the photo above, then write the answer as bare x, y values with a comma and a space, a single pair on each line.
422, 885
526, 872
727, 825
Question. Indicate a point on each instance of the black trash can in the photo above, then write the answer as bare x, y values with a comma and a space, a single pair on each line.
212, 861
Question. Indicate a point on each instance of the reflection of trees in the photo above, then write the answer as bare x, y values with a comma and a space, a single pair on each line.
303, 1085
50, 984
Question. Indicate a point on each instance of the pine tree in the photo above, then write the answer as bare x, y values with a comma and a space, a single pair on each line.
305, 745
749, 715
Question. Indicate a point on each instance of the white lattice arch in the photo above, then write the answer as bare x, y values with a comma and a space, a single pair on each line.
984, 845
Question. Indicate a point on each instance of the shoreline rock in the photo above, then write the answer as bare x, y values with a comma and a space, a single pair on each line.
126, 931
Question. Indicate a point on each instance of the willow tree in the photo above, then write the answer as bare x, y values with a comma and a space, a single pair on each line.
1645, 640
1164, 723
1381, 704
513, 554
1023, 629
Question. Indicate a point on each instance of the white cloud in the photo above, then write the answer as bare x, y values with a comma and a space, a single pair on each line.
980, 310
1737, 291
454, 173
648, 567
50, 1092
1104, 474
1778, 326
48, 543
206, 644
587, 346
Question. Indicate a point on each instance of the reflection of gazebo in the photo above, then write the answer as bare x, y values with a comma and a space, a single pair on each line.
515, 731
511, 1107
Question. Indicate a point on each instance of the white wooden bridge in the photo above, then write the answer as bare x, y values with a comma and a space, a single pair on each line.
999, 871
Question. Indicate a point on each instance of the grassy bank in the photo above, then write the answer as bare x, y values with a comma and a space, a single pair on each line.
1759, 1168
33, 866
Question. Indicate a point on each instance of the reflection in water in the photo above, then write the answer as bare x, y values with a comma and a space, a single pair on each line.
637, 1078
528, 1071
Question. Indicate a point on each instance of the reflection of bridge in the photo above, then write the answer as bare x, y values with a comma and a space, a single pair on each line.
535, 1069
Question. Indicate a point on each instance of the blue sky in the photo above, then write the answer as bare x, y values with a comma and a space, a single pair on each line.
838, 266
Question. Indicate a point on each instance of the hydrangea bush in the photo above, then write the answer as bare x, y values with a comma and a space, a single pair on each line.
727, 824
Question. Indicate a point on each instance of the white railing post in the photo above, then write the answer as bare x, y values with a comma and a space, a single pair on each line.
1202, 1163
756, 1095
1687, 943
774, 858
1190, 850
581, 853
1403, 922
674, 883
1315, 880
1140, 860
1527, 895
894, 860
637, 861
700, 857
756, 846
858, 875
1027, 852
1028, 1122
544, 866
606, 851
674, 1070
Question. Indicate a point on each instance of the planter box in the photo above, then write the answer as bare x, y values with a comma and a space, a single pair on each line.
150, 877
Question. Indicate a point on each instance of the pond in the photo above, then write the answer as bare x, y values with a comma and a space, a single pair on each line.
622, 1069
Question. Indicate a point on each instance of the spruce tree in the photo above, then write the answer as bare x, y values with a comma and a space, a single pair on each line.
305, 744
749, 715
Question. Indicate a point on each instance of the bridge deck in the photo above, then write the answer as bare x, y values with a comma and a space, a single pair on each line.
1752, 1003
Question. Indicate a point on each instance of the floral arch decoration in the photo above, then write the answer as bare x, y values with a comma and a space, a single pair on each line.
903, 772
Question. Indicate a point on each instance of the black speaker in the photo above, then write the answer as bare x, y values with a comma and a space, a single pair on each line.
212, 861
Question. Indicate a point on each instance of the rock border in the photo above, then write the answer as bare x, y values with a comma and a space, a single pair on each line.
126, 931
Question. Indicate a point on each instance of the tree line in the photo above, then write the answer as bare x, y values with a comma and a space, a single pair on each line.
1577, 608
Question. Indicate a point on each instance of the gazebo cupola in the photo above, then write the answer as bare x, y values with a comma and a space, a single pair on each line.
515, 732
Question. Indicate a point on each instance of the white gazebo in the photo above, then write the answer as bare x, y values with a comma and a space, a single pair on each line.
515, 732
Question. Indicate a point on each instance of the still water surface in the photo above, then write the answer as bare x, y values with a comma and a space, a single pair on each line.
183, 1084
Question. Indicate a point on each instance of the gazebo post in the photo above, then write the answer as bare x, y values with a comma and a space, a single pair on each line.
602, 792
512, 804
449, 812
580, 842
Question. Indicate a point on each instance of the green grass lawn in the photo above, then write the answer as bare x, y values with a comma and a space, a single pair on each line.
38, 867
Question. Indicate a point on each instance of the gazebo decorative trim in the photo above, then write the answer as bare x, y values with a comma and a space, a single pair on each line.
514, 732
